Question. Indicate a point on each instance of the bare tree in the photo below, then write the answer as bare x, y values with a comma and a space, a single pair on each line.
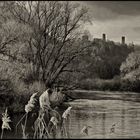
11, 32
6, 34
53, 43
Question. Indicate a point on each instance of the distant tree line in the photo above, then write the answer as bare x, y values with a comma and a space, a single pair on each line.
105, 58
101, 61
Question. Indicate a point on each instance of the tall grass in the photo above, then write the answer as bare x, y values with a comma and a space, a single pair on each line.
49, 123
5, 122
28, 108
65, 117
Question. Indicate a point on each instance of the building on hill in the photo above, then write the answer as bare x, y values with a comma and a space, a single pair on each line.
123, 40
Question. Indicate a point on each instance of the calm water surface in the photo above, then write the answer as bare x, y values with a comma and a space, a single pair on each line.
101, 115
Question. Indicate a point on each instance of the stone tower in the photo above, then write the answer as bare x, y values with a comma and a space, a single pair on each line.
104, 37
123, 39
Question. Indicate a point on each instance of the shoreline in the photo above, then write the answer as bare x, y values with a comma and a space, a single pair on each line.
83, 94
107, 95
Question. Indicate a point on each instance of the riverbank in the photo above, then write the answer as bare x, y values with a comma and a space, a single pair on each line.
106, 95
16, 103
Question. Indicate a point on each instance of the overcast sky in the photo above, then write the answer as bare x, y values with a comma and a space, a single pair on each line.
116, 19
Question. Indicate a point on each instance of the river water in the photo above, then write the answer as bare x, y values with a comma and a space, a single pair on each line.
101, 115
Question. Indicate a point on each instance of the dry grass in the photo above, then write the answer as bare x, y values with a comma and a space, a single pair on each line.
49, 123
5, 122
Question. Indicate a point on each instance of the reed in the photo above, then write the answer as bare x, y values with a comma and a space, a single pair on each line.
65, 117
49, 130
47, 122
24, 135
28, 108
41, 128
5, 122
66, 113
42, 122
85, 129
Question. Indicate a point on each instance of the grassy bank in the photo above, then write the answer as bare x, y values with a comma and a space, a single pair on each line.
115, 84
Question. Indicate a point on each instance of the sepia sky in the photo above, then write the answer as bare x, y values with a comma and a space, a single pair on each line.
116, 19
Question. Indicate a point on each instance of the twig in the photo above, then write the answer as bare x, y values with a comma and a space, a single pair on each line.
20, 121
2, 134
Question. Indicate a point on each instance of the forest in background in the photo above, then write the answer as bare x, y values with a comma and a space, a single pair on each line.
44, 45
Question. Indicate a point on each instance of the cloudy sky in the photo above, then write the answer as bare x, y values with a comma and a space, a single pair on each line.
116, 19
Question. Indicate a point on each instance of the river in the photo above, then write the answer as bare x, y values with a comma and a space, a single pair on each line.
101, 114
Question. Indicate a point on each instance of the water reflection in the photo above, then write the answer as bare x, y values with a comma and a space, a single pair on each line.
103, 124
122, 121
101, 115
126, 119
